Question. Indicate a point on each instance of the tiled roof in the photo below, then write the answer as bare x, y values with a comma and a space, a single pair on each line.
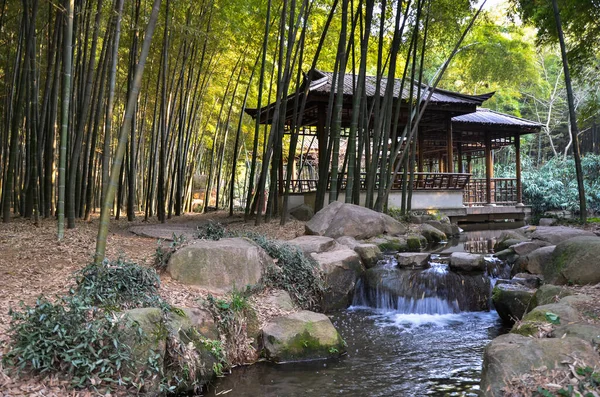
487, 116
321, 82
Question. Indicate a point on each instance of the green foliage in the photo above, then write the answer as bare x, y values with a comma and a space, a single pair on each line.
212, 231
294, 272
79, 334
69, 336
163, 254
119, 285
232, 317
580, 24
397, 214
553, 186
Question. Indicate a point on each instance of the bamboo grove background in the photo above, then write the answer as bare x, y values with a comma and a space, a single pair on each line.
68, 78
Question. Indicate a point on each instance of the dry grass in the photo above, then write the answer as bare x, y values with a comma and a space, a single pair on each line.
33, 262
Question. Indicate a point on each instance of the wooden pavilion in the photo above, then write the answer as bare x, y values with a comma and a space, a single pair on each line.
453, 132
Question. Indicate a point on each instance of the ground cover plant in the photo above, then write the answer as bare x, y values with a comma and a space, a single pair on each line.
80, 336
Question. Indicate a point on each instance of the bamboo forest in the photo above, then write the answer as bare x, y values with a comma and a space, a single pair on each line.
190, 187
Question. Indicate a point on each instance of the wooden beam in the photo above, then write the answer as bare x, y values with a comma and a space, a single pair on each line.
489, 168
449, 147
518, 167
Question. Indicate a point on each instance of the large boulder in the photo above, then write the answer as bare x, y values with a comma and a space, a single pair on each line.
337, 219
526, 247
144, 334
302, 213
587, 332
219, 265
300, 336
557, 234
537, 260
511, 301
575, 261
191, 360
312, 244
447, 228
342, 269
541, 315
466, 262
548, 294
508, 238
432, 234
510, 356
369, 253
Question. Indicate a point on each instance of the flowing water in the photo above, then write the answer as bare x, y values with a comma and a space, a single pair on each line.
409, 333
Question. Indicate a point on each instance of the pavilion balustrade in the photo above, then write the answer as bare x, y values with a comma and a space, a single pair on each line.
503, 191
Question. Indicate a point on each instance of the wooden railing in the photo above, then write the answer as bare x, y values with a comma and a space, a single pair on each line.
503, 191
421, 181
435, 181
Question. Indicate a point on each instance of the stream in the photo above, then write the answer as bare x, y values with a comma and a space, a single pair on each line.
398, 345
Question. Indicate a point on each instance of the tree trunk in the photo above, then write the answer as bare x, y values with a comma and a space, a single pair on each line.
572, 116
124, 135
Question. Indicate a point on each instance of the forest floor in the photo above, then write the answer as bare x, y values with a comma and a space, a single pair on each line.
34, 263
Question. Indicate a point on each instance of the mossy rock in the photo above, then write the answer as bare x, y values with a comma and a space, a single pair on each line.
513, 355
527, 328
432, 234
548, 294
566, 314
390, 244
504, 244
575, 261
511, 301
301, 336
505, 254
416, 242
146, 334
188, 369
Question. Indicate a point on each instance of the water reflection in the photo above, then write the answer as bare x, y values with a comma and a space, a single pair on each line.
388, 355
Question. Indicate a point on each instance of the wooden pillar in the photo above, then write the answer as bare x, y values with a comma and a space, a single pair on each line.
459, 155
441, 163
450, 148
518, 167
469, 165
489, 168
420, 145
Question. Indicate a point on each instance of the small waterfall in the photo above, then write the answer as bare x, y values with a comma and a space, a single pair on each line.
435, 290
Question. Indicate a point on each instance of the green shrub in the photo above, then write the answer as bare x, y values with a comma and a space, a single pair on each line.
70, 337
294, 272
119, 285
212, 231
553, 186
79, 335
